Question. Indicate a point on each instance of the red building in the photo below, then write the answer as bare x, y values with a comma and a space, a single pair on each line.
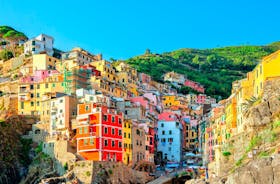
200, 99
99, 133
194, 85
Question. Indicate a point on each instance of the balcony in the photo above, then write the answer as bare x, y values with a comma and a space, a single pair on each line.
24, 98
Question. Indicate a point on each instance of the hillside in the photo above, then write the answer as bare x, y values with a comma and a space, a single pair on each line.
214, 68
10, 34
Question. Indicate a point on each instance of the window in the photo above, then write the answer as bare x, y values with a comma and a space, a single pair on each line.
91, 141
120, 132
31, 95
120, 144
46, 85
105, 142
124, 135
61, 101
85, 141
113, 143
129, 135
163, 132
85, 130
38, 103
138, 132
87, 107
170, 132
38, 95
105, 130
113, 131
60, 122
38, 86
32, 104
125, 125
22, 105
120, 121
113, 119
163, 140
162, 125
104, 117
80, 130
31, 86
192, 134
169, 148
170, 139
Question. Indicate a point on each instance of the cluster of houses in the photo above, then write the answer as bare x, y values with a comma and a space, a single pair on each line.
179, 80
227, 121
104, 111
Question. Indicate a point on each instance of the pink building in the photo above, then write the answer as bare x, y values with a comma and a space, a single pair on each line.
39, 75
194, 85
200, 99
144, 78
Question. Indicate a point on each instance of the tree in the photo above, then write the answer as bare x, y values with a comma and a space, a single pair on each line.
6, 55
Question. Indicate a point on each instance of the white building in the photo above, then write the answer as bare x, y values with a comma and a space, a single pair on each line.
41, 43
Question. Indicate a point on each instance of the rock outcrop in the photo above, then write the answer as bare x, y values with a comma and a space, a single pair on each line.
261, 171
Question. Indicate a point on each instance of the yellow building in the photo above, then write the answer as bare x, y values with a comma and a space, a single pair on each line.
127, 142
267, 68
230, 113
31, 94
43, 62
170, 100
107, 70
126, 74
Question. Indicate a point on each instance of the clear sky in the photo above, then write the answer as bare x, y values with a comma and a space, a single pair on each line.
125, 28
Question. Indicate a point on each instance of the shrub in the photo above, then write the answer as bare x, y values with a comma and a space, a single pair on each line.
87, 173
226, 153
110, 171
254, 141
276, 124
65, 166
100, 166
263, 154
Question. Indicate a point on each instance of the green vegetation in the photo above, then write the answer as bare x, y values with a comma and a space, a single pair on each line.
110, 171
263, 154
65, 166
226, 153
10, 34
6, 55
88, 174
253, 143
216, 69
239, 161
276, 124
39, 148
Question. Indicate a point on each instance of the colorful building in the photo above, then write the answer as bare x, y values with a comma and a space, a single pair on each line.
127, 142
41, 43
99, 133
32, 88
170, 137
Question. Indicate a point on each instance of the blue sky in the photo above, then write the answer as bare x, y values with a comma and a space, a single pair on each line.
125, 28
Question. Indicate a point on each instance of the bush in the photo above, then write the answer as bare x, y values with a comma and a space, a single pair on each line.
65, 166
263, 154
39, 148
6, 55
87, 173
110, 171
226, 153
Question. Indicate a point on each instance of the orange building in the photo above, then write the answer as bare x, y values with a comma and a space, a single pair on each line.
99, 133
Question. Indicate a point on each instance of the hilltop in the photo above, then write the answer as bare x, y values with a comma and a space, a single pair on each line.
10, 34
215, 68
